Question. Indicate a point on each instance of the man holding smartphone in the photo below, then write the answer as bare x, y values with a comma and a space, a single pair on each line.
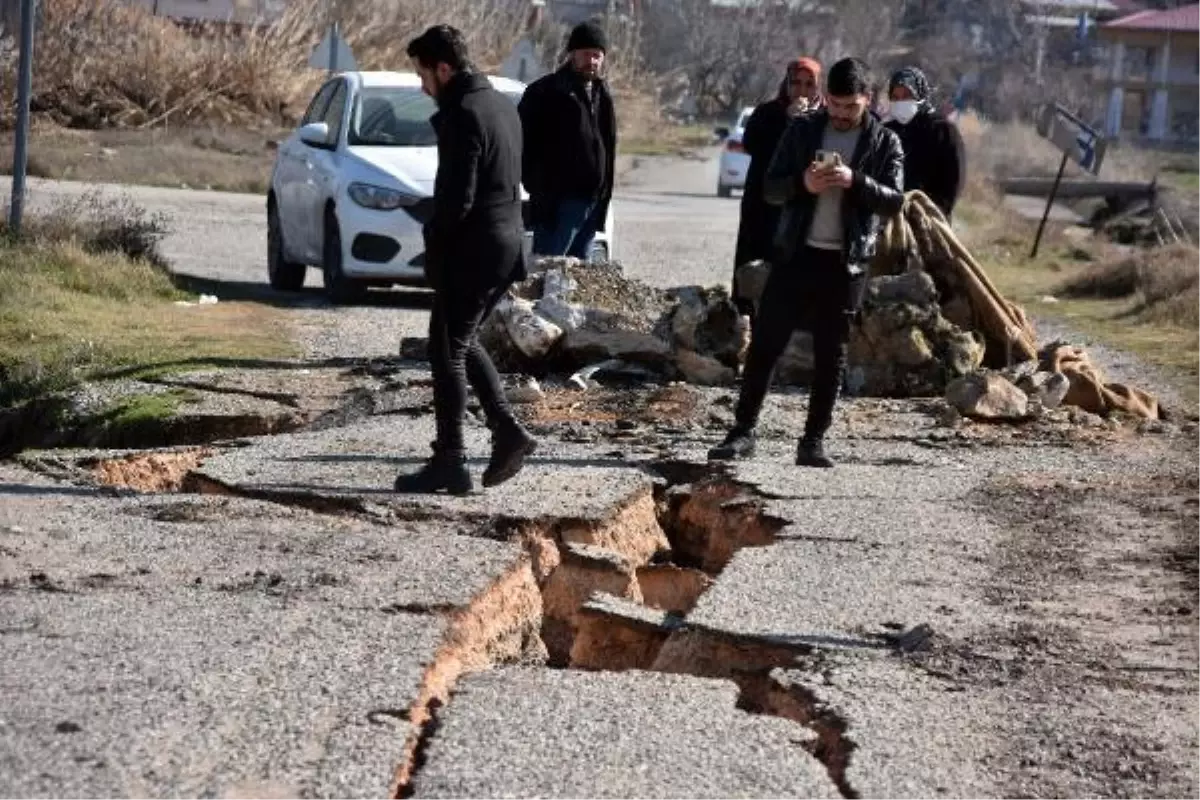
836, 173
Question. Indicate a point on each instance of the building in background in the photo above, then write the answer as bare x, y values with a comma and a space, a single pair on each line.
1152, 76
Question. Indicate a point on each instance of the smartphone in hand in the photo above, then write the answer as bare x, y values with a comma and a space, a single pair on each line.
827, 159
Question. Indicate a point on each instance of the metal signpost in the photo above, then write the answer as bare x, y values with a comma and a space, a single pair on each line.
333, 54
1077, 141
24, 90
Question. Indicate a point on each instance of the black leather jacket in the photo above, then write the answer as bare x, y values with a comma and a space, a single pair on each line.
877, 191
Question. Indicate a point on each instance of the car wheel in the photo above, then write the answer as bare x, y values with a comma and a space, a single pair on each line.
283, 275
724, 191
338, 288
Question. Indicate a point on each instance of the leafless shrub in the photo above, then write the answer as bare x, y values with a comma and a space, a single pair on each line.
96, 224
105, 63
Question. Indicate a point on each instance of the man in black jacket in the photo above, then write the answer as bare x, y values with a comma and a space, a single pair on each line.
570, 148
835, 172
934, 161
799, 93
473, 253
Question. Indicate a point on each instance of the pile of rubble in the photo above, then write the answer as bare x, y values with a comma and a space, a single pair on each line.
1061, 375
585, 320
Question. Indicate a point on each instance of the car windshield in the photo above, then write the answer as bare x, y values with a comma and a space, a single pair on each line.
395, 117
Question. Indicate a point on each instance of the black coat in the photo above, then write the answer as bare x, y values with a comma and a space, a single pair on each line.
475, 233
934, 162
756, 229
877, 191
570, 148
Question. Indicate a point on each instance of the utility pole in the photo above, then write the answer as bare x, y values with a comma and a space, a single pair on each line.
24, 90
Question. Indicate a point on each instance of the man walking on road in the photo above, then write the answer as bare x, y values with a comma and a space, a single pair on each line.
473, 253
934, 161
836, 172
570, 148
799, 94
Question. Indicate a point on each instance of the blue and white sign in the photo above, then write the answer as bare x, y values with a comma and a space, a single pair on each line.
1078, 141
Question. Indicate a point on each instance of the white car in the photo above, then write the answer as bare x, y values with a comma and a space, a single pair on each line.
734, 163
353, 186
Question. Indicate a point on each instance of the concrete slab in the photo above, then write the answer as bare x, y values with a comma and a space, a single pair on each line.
359, 463
827, 591
198, 646
203, 693
167, 543
545, 733
911, 734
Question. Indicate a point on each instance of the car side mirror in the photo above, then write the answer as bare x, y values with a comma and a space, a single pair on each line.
721, 133
315, 134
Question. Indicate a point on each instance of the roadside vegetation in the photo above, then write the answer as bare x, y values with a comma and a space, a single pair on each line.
1142, 300
85, 290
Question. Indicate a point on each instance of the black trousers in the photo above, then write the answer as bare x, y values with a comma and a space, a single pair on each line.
816, 294
456, 359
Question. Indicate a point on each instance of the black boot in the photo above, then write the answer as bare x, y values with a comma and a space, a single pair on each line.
737, 444
811, 453
441, 473
510, 448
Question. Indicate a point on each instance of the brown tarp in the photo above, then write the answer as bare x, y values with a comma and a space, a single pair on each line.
920, 238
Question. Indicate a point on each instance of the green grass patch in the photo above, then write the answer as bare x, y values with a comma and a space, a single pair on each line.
142, 409
67, 314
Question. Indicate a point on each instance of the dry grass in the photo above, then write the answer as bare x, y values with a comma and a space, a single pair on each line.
1162, 281
1012, 149
105, 63
1156, 321
200, 158
123, 96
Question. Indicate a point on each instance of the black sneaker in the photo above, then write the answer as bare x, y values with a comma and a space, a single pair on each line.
440, 474
509, 451
737, 444
811, 453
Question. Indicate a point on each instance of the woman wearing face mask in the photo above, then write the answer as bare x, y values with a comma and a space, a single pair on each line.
934, 162
799, 93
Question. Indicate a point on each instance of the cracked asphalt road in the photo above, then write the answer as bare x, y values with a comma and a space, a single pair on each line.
299, 631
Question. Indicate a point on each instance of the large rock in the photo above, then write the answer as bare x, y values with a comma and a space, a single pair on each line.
903, 345
987, 396
705, 321
583, 346
751, 280
703, 370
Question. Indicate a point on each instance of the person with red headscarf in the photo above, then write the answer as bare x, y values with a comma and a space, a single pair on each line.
798, 94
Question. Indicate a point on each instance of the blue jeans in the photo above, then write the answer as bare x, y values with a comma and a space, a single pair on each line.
572, 233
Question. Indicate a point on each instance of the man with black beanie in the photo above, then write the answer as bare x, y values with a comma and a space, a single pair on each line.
570, 150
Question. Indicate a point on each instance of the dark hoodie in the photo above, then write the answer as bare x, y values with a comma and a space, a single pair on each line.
476, 228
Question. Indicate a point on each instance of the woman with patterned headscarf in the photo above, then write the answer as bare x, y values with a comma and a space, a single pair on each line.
799, 93
934, 162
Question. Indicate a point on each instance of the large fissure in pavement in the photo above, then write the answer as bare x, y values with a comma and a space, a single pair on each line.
604, 595
615, 595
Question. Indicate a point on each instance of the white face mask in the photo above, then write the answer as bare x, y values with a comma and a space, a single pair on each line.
903, 111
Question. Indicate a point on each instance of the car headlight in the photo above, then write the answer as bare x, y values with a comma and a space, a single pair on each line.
378, 197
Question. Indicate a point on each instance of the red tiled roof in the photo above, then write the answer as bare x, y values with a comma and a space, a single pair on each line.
1183, 19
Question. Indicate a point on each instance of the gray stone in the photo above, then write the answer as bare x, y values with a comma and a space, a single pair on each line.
703, 370
914, 288
987, 396
584, 346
